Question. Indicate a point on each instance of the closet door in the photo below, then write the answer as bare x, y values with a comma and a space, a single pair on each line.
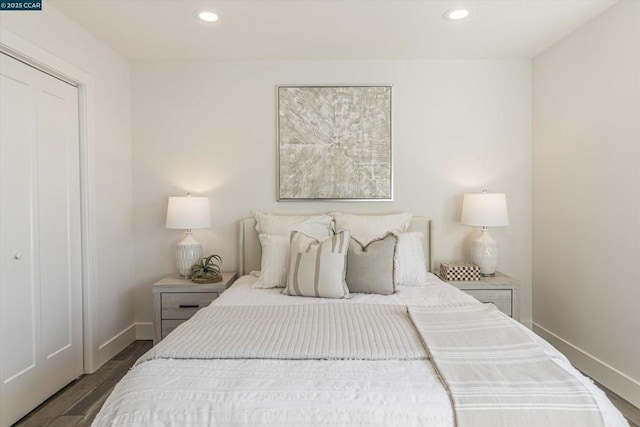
40, 246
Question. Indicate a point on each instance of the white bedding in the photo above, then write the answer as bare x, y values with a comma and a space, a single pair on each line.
436, 292
297, 331
166, 392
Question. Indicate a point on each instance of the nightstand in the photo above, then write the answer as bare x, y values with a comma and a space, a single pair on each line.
502, 290
176, 300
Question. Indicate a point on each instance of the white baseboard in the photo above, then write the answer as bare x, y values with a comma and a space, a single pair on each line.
144, 331
618, 382
113, 346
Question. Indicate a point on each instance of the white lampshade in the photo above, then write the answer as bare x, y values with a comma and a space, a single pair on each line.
187, 213
485, 210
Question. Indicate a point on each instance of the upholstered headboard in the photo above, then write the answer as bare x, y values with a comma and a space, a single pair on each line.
251, 251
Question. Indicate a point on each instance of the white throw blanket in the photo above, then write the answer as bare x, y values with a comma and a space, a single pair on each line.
497, 375
324, 331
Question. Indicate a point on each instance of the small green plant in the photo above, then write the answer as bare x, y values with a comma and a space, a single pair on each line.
207, 269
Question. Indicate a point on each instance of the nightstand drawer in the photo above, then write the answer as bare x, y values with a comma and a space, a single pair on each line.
176, 299
501, 290
170, 324
500, 297
183, 305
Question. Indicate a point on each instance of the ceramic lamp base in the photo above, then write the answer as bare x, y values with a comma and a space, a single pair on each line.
188, 252
485, 253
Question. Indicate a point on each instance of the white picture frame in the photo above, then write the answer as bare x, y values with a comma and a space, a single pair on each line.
334, 143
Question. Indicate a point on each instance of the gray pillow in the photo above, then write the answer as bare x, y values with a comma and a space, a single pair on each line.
370, 268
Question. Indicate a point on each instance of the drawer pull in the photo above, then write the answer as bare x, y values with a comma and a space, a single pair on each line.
189, 306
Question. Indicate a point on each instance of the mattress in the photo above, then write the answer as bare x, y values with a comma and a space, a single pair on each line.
250, 392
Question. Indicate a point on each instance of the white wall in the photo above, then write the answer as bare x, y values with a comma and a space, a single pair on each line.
111, 230
209, 128
586, 194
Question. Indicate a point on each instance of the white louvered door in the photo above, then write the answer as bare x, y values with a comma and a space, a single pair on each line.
40, 238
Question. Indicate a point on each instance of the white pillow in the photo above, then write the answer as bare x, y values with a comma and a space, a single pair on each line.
318, 268
410, 266
318, 226
366, 228
274, 262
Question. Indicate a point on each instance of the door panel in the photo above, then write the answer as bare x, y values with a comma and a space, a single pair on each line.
19, 317
59, 237
40, 293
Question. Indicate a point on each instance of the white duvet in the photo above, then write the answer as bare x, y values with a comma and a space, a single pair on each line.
166, 392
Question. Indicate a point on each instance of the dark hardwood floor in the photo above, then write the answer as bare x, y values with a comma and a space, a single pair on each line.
78, 403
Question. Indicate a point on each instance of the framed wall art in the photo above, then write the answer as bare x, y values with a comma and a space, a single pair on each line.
334, 143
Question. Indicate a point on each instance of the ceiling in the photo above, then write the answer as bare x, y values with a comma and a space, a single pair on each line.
155, 30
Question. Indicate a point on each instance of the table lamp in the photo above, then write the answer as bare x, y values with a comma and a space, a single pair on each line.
188, 213
485, 210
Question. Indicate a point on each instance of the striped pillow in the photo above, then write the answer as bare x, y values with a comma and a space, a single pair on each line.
318, 268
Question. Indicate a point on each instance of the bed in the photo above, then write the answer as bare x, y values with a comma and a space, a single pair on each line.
201, 374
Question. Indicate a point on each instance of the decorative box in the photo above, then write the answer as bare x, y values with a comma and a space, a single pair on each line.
459, 271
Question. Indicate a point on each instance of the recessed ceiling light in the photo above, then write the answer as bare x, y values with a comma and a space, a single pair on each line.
206, 15
456, 14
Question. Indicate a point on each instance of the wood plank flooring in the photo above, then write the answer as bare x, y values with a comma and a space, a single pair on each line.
630, 412
78, 403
